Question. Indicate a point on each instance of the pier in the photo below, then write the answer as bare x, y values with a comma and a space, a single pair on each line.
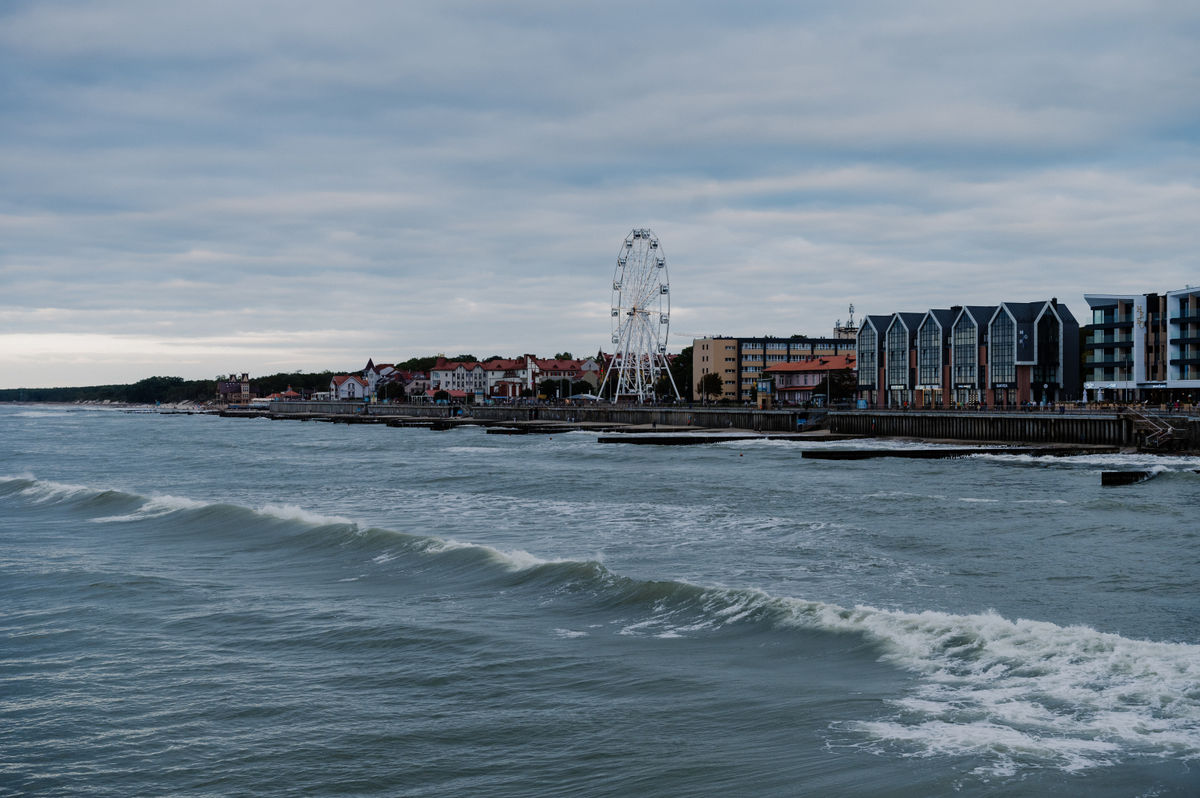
1110, 428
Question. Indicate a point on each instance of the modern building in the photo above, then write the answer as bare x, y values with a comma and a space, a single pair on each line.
933, 358
1143, 347
1001, 355
741, 361
969, 354
870, 356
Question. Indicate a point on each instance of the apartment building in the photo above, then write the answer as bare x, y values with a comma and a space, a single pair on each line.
741, 361
1002, 355
1143, 347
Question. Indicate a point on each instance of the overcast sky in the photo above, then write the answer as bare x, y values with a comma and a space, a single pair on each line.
204, 187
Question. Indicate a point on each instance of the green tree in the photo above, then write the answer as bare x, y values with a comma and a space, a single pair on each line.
441, 396
418, 363
555, 388
563, 356
844, 385
393, 391
681, 371
710, 385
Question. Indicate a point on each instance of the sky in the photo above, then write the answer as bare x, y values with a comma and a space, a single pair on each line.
194, 189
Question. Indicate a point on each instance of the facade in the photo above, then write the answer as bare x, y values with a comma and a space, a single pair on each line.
1001, 355
716, 356
900, 358
1143, 347
348, 387
1183, 341
447, 375
933, 358
969, 354
234, 389
795, 382
870, 357
742, 361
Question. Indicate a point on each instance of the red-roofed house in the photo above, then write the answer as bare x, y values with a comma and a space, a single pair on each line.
794, 382
347, 387
449, 375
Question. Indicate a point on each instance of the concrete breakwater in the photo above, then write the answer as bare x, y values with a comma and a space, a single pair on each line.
698, 417
1103, 428
1094, 428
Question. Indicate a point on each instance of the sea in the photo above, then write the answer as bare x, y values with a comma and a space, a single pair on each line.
199, 606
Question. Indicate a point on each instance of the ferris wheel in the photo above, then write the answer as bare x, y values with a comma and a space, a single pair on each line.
641, 319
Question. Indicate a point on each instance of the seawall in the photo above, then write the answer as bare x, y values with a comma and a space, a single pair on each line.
1109, 429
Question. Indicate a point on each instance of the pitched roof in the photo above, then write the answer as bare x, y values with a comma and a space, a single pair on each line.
342, 378
832, 363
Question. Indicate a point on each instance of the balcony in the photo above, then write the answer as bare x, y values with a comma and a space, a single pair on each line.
1111, 363
1125, 322
1191, 339
1185, 361
1107, 344
1190, 318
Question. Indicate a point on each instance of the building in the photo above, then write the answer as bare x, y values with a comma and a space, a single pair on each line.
449, 376
1002, 355
794, 383
869, 354
1143, 347
348, 387
969, 354
234, 389
740, 362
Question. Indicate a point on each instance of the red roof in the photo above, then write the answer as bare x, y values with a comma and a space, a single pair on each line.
834, 363
341, 378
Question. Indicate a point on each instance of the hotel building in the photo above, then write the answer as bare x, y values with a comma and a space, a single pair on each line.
1143, 347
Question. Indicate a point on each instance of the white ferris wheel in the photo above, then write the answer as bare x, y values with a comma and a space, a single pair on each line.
641, 318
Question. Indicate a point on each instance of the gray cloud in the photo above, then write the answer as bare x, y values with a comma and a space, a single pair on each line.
331, 182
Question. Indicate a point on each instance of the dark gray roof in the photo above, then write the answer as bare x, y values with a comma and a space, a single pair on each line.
944, 316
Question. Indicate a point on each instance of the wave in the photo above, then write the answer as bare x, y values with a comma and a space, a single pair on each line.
1102, 461
1016, 693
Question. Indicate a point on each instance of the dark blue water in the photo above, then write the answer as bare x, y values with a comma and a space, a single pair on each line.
198, 606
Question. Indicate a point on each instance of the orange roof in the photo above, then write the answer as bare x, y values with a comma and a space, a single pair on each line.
833, 363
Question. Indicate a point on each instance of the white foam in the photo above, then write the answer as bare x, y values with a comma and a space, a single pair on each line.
154, 507
1067, 697
290, 512
43, 491
512, 559
569, 633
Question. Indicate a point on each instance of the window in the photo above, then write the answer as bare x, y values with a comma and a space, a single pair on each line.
897, 354
966, 354
929, 353
866, 356
1004, 349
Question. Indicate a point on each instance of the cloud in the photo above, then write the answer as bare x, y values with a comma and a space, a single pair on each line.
421, 177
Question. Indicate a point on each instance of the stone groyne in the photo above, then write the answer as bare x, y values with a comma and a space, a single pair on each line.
1102, 428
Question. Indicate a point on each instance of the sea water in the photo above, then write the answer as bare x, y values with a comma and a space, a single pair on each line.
192, 605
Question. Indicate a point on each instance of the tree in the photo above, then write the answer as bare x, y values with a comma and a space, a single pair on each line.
393, 391
844, 385
662, 387
563, 356
580, 386
417, 364
710, 385
681, 371
555, 388
441, 396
